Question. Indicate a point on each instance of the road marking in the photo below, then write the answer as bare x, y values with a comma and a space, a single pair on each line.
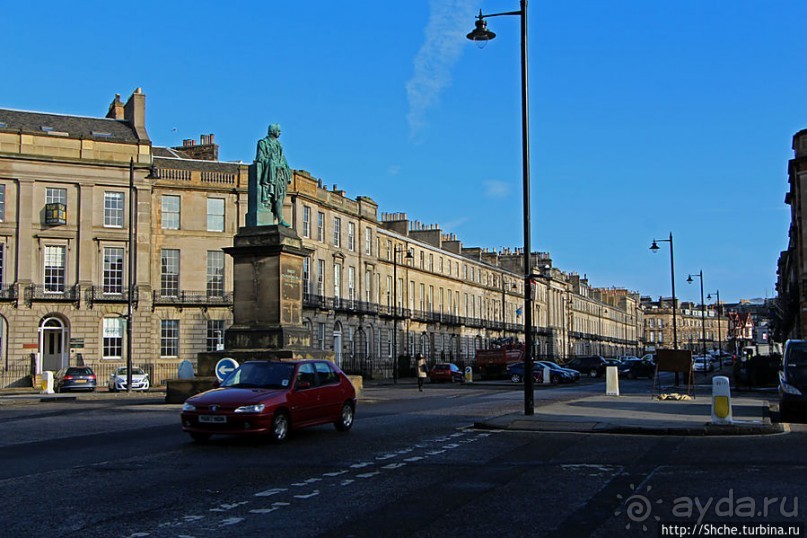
368, 475
270, 492
414, 458
360, 465
394, 466
230, 521
346, 482
337, 473
263, 510
312, 494
306, 482
227, 507
451, 445
435, 452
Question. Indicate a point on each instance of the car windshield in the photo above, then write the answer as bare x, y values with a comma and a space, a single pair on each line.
551, 364
135, 371
796, 364
79, 371
265, 375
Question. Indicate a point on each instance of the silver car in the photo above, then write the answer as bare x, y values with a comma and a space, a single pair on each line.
140, 380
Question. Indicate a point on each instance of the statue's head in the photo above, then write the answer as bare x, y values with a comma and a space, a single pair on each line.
274, 130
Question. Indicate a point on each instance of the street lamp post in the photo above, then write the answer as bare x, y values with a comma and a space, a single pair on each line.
703, 320
719, 341
481, 35
408, 256
654, 248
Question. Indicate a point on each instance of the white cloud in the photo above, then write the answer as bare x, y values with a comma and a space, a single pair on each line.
452, 225
449, 21
394, 170
496, 189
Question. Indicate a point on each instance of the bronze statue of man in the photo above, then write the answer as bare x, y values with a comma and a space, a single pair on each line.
273, 174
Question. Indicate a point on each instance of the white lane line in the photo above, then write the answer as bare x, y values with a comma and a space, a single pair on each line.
368, 475
226, 507
308, 496
451, 445
346, 482
361, 465
306, 482
434, 452
386, 456
394, 466
230, 521
414, 458
331, 475
263, 510
270, 492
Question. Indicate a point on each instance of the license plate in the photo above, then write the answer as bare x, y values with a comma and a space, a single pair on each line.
81, 380
214, 419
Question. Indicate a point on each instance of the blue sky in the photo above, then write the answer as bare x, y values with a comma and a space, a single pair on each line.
646, 117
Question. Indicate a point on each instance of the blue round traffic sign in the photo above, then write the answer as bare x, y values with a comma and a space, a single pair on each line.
224, 367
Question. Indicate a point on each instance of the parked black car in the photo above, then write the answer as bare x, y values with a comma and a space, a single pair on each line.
793, 380
74, 378
559, 374
636, 368
590, 366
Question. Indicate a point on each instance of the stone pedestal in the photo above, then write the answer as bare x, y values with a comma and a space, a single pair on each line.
267, 305
267, 290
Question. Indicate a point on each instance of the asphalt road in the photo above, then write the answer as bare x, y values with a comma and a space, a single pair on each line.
411, 466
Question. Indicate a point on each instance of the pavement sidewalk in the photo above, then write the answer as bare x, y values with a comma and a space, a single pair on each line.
639, 414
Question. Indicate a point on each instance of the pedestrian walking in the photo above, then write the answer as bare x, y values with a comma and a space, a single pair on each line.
423, 371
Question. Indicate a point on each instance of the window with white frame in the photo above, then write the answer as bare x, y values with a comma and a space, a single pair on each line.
351, 284
351, 236
215, 273
54, 277
113, 209
320, 226
2, 202
389, 250
215, 214
337, 283
422, 298
113, 270
320, 336
368, 280
113, 338
170, 211
169, 272
321, 278
306, 221
55, 195
215, 335
169, 338
337, 232
389, 291
368, 241
306, 276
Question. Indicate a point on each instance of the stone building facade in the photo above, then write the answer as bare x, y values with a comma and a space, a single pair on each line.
658, 326
78, 195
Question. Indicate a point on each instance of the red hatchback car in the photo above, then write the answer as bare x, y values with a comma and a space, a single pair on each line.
272, 398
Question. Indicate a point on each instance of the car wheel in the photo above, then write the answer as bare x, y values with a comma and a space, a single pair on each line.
280, 427
345, 421
112, 388
200, 437
593, 373
515, 378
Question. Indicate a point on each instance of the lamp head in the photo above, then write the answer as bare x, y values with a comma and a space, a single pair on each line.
654, 247
481, 35
689, 279
409, 255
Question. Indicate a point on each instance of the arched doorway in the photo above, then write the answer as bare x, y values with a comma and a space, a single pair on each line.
53, 344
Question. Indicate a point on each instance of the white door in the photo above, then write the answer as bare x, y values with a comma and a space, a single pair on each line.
52, 346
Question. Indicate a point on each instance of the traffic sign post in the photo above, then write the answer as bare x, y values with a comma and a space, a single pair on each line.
224, 367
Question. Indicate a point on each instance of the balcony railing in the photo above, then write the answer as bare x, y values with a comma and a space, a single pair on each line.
8, 293
41, 293
185, 298
97, 294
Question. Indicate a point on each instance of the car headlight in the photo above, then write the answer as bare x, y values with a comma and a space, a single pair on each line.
790, 389
188, 407
256, 408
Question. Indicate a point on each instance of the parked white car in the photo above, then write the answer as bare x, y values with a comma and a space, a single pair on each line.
140, 380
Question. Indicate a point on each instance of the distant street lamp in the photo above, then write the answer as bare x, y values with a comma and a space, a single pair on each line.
703, 321
481, 35
408, 256
719, 341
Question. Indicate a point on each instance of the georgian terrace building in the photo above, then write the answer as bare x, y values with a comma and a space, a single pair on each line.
79, 195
